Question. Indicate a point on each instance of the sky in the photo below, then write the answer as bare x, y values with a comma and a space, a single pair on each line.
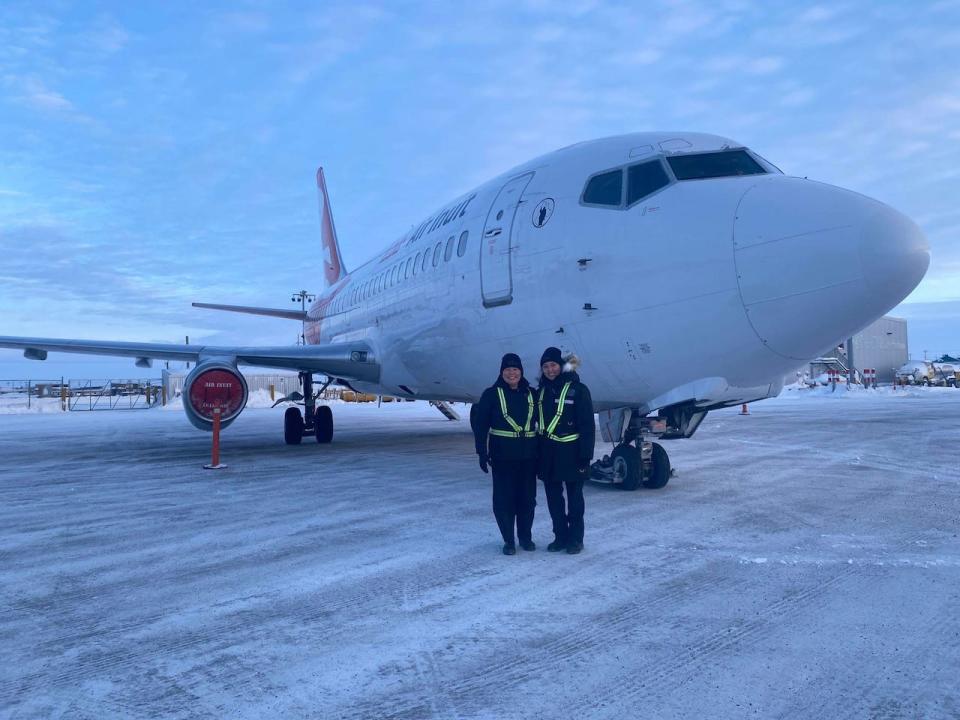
154, 154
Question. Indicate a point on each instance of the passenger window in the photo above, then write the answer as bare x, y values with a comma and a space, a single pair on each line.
448, 250
644, 179
406, 271
604, 189
713, 165
462, 244
416, 263
436, 254
426, 259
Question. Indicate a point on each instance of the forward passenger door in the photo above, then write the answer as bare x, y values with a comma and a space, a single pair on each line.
496, 279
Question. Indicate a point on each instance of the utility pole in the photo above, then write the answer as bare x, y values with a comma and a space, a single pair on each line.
303, 297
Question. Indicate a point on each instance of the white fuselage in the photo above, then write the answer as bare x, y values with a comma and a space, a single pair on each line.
708, 290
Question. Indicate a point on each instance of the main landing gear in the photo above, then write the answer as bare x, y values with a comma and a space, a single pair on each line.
316, 421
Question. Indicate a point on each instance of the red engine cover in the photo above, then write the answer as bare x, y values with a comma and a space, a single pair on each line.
216, 389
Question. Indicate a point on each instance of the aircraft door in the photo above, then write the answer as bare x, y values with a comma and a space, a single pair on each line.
496, 281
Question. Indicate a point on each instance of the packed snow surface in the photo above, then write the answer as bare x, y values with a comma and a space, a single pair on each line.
803, 563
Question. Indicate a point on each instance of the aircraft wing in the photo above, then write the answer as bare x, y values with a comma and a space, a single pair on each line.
353, 360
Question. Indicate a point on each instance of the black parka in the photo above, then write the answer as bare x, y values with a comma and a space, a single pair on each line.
487, 414
565, 461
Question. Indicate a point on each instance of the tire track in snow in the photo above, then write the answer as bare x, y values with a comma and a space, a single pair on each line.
652, 678
873, 695
384, 596
498, 674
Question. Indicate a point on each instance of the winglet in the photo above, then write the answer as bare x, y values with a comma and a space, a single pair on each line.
333, 269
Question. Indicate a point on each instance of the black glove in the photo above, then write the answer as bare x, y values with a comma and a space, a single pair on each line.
583, 466
483, 462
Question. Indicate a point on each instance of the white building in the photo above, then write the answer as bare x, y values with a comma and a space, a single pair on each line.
881, 346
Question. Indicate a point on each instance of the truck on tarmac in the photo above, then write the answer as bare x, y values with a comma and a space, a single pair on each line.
924, 372
916, 372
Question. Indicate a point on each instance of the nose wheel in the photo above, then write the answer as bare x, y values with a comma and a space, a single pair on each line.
629, 466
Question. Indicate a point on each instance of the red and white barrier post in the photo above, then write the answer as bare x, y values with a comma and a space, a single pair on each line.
215, 451
743, 409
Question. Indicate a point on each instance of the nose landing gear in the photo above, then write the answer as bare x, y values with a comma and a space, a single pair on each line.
635, 460
632, 464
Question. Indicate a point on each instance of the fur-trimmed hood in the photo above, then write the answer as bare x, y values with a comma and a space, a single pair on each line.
571, 363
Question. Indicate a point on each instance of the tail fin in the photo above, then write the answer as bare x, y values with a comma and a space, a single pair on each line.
333, 269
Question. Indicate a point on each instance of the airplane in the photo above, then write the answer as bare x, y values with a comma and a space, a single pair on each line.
684, 270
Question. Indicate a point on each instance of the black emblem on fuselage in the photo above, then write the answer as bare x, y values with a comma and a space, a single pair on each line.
542, 212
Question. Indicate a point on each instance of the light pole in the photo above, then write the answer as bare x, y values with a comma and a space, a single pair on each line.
303, 297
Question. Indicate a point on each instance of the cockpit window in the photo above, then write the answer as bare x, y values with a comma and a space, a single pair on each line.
604, 189
714, 165
644, 179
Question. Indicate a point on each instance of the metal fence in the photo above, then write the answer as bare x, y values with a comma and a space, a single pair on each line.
281, 384
81, 394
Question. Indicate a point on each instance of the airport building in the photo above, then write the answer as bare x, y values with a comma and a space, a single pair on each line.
881, 346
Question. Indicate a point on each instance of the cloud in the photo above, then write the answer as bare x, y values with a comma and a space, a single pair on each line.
108, 36
796, 98
34, 93
241, 22
727, 64
819, 14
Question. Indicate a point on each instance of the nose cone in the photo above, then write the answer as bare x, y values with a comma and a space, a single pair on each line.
817, 263
894, 254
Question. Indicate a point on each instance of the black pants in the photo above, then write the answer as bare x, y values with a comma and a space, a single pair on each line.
567, 516
514, 497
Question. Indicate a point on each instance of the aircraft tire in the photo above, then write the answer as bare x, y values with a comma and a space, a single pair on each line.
625, 460
323, 424
659, 470
292, 426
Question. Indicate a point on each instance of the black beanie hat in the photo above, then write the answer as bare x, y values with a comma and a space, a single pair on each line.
551, 354
511, 360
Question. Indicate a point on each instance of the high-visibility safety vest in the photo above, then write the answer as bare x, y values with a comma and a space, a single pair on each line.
548, 429
517, 431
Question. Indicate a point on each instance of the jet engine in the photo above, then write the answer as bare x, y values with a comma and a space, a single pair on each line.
214, 386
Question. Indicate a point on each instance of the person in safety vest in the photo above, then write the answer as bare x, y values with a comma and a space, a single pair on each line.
504, 431
565, 417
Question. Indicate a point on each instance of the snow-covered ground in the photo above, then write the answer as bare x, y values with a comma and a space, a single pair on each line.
803, 563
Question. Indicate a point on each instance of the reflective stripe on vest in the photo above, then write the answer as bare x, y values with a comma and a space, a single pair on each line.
548, 430
517, 430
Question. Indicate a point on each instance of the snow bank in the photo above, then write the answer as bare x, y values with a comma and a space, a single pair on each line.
17, 405
858, 392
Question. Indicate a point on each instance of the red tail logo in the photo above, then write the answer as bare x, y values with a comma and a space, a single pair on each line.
332, 263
